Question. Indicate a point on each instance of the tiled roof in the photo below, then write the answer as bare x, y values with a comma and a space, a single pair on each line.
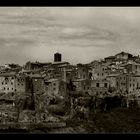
35, 75
113, 75
52, 80
8, 74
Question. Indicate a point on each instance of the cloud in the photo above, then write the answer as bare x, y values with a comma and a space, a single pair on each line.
37, 32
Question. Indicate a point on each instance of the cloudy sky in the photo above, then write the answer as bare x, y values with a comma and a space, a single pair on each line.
81, 34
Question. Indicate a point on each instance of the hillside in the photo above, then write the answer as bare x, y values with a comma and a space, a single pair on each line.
120, 120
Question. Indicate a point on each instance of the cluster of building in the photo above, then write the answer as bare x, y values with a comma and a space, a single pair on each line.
119, 74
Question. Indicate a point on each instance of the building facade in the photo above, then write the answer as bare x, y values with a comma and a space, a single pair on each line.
128, 83
123, 56
99, 87
13, 83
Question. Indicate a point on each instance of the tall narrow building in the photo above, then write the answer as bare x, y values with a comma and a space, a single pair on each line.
57, 57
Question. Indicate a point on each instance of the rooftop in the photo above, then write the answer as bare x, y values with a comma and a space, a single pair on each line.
62, 62
110, 57
35, 75
113, 75
51, 80
8, 74
77, 80
123, 53
131, 63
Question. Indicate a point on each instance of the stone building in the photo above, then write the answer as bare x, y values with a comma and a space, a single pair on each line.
82, 71
132, 67
110, 59
52, 86
55, 87
35, 65
122, 82
53, 73
13, 83
38, 84
38, 90
100, 72
112, 78
57, 57
123, 56
128, 83
99, 87
82, 85
7, 83
21, 83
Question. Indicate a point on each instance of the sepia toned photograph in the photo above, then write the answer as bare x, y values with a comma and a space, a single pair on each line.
69, 70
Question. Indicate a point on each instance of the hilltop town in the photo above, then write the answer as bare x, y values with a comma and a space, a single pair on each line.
57, 92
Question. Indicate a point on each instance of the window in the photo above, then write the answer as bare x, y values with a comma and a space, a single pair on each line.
133, 85
4, 88
12, 78
2, 83
6, 83
84, 76
6, 78
98, 74
11, 83
97, 84
54, 84
84, 88
117, 84
54, 88
7, 88
102, 74
105, 84
12, 88
18, 84
130, 85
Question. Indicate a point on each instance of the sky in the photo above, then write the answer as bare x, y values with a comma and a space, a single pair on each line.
80, 34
